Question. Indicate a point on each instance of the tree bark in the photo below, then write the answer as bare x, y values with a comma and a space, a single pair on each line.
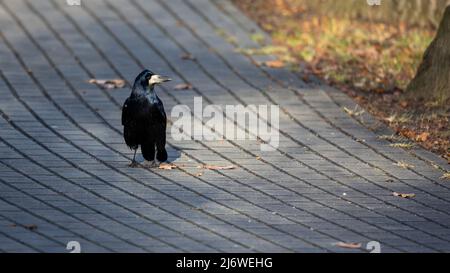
432, 81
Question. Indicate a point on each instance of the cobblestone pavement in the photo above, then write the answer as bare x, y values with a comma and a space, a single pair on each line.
63, 162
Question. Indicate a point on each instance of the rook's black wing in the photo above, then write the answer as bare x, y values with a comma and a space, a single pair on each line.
129, 122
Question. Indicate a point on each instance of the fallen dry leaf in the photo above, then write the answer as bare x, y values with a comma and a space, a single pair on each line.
31, 227
408, 133
109, 83
187, 56
404, 195
446, 175
166, 166
349, 245
422, 137
403, 104
180, 23
274, 64
183, 86
213, 167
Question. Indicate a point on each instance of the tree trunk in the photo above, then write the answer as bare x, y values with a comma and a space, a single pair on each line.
432, 81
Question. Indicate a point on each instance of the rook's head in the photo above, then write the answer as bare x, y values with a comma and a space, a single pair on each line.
147, 78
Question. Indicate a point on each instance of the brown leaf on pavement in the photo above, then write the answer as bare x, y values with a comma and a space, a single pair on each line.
183, 86
404, 195
167, 166
274, 64
214, 167
108, 83
349, 245
31, 227
187, 56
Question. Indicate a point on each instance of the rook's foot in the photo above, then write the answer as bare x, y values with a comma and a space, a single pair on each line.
149, 164
133, 164
159, 162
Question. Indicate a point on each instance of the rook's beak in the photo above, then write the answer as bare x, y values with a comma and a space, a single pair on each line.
164, 79
156, 79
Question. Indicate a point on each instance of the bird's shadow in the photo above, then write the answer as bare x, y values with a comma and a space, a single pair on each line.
173, 153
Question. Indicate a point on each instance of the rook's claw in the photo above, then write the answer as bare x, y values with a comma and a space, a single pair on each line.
133, 164
149, 164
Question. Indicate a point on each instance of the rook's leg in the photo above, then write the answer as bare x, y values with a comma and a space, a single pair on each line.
148, 152
161, 153
133, 163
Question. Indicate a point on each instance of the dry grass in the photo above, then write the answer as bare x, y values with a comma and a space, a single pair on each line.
404, 165
402, 145
371, 61
355, 112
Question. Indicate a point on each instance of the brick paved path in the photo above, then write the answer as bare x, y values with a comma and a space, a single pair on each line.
63, 164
